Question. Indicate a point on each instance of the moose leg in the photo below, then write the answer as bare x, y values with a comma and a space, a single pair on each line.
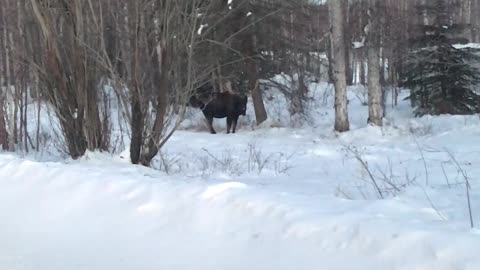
229, 124
210, 125
235, 124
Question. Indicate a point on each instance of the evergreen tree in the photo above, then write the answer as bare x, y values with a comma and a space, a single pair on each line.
440, 74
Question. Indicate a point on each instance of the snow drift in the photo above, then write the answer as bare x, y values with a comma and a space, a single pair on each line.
98, 214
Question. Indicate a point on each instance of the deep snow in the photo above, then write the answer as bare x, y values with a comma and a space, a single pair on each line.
288, 195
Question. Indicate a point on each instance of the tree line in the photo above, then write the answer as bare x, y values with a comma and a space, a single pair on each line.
154, 53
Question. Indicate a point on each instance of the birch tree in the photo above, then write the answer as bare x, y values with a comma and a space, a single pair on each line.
375, 104
338, 65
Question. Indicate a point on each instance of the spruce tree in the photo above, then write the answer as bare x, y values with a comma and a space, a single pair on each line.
439, 73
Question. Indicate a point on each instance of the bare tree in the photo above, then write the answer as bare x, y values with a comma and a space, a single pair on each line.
69, 70
246, 19
8, 95
338, 64
3, 126
253, 83
475, 20
161, 70
375, 104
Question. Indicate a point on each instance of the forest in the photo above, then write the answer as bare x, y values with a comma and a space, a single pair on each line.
153, 54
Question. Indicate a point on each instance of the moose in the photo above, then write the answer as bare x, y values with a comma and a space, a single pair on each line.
219, 105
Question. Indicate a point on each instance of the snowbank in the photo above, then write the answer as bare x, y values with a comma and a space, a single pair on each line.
99, 214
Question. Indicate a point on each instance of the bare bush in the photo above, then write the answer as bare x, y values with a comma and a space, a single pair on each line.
229, 161
467, 186
383, 180
171, 164
256, 159
225, 163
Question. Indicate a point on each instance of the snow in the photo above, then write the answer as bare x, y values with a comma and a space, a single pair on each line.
468, 45
290, 194
200, 29
358, 44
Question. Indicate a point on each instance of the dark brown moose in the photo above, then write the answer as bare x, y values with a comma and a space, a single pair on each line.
219, 105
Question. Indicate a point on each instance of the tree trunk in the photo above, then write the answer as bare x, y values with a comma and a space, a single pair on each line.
258, 105
336, 11
362, 66
3, 126
329, 50
25, 78
10, 104
347, 36
475, 20
160, 79
300, 90
94, 131
36, 84
9, 89
375, 104
137, 128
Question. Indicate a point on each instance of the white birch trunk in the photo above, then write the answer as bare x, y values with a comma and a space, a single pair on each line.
338, 64
375, 104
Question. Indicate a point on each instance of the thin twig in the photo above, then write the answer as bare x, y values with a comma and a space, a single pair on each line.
212, 156
445, 175
433, 205
365, 166
424, 162
467, 186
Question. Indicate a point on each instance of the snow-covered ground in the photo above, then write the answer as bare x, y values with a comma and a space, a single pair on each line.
291, 194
